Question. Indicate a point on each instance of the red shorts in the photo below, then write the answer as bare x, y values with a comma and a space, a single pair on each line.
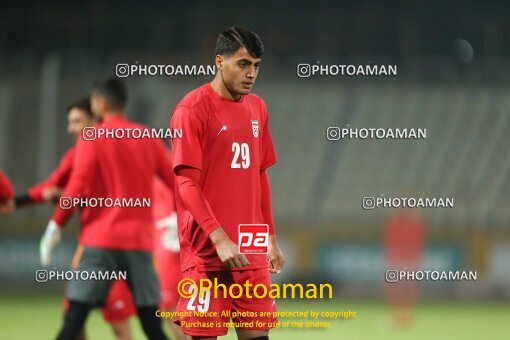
119, 303
168, 267
247, 306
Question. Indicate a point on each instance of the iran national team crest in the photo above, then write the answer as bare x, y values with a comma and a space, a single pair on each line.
255, 127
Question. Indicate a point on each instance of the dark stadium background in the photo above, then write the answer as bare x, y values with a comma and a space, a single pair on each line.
453, 80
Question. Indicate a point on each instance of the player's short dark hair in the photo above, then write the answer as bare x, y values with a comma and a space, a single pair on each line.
234, 38
113, 90
82, 104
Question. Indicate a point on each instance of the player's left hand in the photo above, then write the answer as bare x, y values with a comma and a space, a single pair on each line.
275, 256
49, 241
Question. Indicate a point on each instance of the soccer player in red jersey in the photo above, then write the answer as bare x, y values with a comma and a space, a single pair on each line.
6, 194
118, 238
220, 163
119, 305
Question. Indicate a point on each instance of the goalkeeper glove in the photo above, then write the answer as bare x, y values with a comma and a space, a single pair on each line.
49, 241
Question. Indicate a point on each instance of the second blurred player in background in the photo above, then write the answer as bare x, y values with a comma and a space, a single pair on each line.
166, 250
119, 238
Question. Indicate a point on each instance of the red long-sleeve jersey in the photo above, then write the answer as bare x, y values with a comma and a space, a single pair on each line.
220, 164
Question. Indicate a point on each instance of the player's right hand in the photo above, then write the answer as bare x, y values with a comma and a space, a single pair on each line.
49, 241
227, 250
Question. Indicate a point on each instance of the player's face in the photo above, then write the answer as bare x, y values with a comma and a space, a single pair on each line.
76, 120
239, 71
98, 105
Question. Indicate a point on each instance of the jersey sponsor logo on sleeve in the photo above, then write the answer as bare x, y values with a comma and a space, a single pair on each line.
253, 238
255, 127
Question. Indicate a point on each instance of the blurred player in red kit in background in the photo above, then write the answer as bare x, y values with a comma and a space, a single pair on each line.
166, 250
117, 238
404, 237
220, 163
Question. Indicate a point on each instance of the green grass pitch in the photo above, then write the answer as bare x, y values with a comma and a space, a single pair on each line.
39, 317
